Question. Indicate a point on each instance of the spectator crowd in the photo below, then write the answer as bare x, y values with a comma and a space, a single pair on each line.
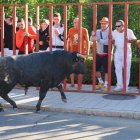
26, 43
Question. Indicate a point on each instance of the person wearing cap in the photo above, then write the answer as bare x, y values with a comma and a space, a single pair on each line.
118, 39
73, 44
101, 38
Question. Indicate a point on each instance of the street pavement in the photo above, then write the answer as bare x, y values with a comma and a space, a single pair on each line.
98, 104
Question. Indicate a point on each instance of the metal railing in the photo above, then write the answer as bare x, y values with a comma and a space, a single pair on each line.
65, 9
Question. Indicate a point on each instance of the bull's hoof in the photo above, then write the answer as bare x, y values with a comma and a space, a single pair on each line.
14, 106
1, 110
38, 109
64, 100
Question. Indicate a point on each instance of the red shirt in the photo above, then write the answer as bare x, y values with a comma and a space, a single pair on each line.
73, 40
20, 39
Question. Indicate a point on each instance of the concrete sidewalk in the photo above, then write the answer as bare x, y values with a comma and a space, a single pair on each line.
83, 103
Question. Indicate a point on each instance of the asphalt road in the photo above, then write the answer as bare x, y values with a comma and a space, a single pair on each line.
28, 125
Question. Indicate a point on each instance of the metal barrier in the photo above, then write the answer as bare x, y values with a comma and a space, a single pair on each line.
2, 13
89, 88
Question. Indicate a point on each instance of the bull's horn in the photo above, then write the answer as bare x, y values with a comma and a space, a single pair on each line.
80, 55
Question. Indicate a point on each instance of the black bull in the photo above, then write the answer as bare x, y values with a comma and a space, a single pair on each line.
45, 70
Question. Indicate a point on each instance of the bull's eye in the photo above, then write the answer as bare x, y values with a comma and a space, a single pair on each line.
77, 59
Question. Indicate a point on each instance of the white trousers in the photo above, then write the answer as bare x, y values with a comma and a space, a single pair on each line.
119, 65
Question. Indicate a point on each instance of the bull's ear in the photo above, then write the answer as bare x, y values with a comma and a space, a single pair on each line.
81, 56
75, 53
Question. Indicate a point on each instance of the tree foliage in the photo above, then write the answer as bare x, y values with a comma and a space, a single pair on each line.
87, 13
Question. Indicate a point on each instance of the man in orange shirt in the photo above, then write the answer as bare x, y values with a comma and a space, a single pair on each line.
20, 38
73, 43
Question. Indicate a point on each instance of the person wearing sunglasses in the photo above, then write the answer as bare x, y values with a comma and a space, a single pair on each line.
118, 39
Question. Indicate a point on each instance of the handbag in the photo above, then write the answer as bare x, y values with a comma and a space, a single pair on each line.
105, 47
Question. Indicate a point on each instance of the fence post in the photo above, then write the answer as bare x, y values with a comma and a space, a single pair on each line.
2, 30
94, 48
110, 47
80, 42
14, 29
65, 27
50, 27
26, 28
139, 71
37, 28
125, 46
65, 35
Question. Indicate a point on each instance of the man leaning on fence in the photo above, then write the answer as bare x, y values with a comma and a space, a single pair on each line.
73, 42
20, 38
118, 37
101, 38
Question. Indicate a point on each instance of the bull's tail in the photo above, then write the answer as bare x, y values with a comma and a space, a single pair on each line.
26, 89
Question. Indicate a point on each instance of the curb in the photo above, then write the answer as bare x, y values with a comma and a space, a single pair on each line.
129, 115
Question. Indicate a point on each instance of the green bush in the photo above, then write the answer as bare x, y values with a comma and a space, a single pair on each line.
134, 73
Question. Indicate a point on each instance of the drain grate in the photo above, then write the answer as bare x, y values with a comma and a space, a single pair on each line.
119, 97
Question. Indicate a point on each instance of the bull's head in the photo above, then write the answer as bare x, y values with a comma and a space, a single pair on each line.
78, 63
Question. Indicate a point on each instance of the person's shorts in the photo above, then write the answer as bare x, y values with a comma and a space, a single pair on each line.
102, 62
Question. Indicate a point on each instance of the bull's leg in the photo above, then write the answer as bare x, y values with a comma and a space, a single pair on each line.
6, 98
26, 89
42, 93
41, 97
63, 96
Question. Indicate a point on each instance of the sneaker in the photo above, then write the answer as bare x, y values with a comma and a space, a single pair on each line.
118, 89
99, 86
104, 88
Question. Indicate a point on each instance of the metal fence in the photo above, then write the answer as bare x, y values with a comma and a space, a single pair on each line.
80, 87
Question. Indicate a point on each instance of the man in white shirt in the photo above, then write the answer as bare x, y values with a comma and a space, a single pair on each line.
118, 38
57, 33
